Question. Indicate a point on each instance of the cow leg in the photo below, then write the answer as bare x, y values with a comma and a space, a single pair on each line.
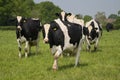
26, 48
56, 56
96, 44
78, 53
19, 47
88, 45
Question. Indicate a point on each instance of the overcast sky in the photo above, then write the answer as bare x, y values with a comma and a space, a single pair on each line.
87, 7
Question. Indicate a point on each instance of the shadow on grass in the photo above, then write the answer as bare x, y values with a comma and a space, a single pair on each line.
64, 67
72, 66
31, 54
7, 27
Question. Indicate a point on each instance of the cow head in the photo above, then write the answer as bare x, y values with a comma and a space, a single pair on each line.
20, 21
62, 15
93, 30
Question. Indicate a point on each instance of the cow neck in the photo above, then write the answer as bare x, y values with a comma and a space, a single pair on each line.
66, 23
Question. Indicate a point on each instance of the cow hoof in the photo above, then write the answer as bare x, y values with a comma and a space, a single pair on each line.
26, 55
55, 67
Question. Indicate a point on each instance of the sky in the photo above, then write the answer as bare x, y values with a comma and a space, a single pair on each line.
87, 7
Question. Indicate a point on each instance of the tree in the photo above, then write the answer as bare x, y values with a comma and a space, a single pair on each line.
100, 17
112, 16
87, 18
119, 13
12, 8
22, 7
117, 23
45, 11
5, 11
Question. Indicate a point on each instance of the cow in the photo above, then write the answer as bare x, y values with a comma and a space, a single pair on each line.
63, 36
27, 31
109, 26
69, 17
94, 32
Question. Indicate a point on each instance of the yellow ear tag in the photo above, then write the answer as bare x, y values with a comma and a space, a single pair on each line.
55, 29
24, 20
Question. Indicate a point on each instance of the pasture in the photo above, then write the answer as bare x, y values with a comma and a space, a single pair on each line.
104, 64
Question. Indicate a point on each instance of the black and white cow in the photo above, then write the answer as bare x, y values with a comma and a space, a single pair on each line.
69, 17
109, 27
63, 36
93, 34
27, 31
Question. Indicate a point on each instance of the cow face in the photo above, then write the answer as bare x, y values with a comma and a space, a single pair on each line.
92, 33
45, 31
20, 21
63, 15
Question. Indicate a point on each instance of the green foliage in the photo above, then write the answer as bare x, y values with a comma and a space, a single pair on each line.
12, 8
22, 7
117, 23
119, 12
104, 64
27, 8
112, 16
45, 11
100, 16
5, 11
87, 18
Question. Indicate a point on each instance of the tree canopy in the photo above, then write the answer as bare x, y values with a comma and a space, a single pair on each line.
45, 11
26, 8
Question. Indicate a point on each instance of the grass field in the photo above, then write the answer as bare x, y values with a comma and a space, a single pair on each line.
104, 64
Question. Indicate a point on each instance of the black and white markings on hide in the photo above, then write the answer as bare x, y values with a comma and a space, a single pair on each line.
72, 34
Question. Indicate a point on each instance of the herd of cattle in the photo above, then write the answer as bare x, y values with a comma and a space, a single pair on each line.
67, 32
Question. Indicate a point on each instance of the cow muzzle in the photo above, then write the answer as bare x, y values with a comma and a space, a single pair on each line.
19, 28
89, 38
46, 40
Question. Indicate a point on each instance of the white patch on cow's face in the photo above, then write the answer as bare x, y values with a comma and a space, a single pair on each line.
63, 15
46, 28
65, 32
19, 18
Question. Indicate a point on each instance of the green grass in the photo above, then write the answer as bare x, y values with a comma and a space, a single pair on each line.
104, 64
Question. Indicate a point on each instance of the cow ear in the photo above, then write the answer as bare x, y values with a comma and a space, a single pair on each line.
69, 14
95, 28
57, 14
24, 19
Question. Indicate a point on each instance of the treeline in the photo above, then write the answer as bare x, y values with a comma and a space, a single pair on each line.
26, 8
45, 11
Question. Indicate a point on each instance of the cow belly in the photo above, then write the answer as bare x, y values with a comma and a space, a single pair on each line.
33, 43
69, 46
22, 39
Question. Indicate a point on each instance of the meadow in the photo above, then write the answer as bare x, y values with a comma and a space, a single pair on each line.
104, 64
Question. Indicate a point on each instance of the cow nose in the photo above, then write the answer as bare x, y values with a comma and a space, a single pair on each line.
89, 38
46, 40
19, 28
